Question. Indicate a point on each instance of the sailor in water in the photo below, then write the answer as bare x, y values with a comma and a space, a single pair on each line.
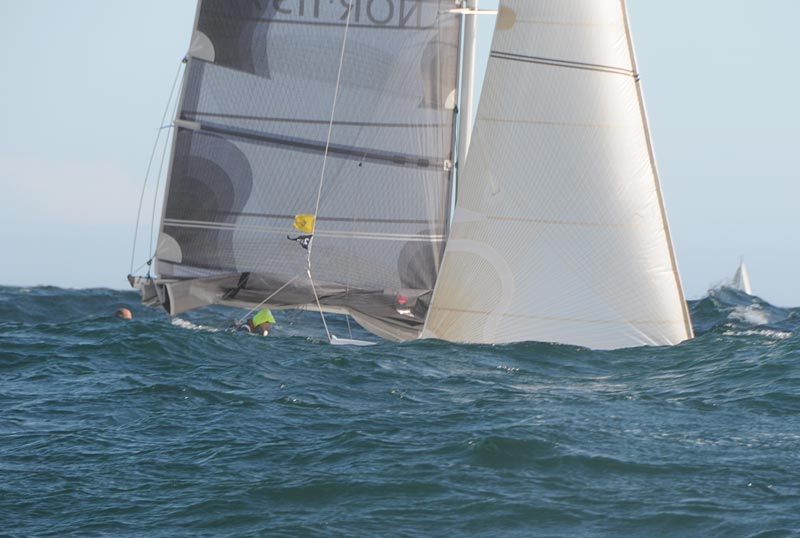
123, 313
261, 323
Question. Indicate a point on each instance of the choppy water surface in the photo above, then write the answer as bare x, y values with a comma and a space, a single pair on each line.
159, 429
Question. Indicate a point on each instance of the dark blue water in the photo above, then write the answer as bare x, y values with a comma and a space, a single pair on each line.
147, 428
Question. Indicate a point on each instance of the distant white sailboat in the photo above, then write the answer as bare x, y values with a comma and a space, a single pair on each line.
348, 122
741, 280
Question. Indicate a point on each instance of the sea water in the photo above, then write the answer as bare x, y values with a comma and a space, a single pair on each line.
163, 428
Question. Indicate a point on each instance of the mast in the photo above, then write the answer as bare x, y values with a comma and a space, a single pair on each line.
468, 80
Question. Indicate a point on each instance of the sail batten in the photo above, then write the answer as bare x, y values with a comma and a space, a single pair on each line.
298, 144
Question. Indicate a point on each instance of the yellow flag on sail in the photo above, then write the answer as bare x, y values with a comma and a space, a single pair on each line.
304, 223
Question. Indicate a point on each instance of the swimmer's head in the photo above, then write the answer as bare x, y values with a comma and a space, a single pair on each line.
123, 313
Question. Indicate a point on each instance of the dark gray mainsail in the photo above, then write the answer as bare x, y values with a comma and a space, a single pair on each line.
275, 92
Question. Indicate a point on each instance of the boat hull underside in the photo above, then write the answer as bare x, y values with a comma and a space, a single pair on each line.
396, 315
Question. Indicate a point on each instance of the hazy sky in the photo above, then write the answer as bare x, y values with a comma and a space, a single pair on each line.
85, 82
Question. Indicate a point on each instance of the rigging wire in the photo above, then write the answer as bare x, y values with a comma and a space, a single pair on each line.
149, 167
325, 162
158, 184
349, 328
238, 321
134, 271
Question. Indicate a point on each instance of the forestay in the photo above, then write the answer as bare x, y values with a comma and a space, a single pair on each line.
559, 233
252, 134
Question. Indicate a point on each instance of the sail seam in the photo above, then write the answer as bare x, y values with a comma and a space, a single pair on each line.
565, 222
322, 219
559, 123
578, 24
563, 63
195, 113
329, 233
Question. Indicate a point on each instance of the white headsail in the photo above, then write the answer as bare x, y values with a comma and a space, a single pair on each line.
560, 233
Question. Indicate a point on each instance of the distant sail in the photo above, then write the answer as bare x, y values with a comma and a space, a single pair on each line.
741, 280
559, 233
253, 131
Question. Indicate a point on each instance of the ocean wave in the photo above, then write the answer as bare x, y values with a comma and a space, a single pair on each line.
157, 428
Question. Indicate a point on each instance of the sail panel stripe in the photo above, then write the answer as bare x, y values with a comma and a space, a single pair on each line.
563, 63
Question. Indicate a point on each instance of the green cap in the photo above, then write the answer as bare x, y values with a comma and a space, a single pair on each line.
263, 316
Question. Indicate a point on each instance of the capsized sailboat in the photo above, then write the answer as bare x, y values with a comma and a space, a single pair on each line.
316, 156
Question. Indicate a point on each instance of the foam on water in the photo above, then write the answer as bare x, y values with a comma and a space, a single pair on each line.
184, 324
